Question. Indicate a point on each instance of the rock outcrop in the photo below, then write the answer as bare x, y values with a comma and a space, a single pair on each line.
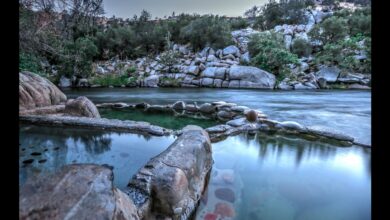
81, 106
79, 191
171, 184
36, 91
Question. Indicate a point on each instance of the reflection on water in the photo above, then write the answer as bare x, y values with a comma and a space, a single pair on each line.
46, 149
342, 110
283, 178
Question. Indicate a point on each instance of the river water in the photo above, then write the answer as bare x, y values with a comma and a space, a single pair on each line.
254, 177
342, 110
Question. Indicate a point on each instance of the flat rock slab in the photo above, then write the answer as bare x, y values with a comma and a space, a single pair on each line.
78, 191
329, 133
98, 123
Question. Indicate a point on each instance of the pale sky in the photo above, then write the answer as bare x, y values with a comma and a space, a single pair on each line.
159, 8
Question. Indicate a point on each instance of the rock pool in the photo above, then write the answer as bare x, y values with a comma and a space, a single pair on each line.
45, 149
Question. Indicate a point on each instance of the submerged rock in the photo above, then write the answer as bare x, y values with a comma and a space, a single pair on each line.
81, 106
81, 191
207, 108
179, 105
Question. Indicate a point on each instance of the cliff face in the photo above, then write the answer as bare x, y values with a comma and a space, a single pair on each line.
36, 91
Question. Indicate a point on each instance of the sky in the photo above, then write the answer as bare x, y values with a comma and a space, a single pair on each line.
159, 8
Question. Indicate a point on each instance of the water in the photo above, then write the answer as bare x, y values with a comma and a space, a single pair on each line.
342, 110
266, 177
165, 120
54, 147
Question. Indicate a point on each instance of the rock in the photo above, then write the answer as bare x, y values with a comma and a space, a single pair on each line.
245, 58
287, 41
237, 122
151, 81
284, 85
322, 83
142, 105
100, 70
225, 115
291, 125
64, 82
253, 77
229, 56
36, 91
212, 58
225, 84
329, 133
330, 74
300, 86
350, 78
251, 116
82, 82
194, 70
202, 67
81, 191
179, 105
358, 86
218, 129
225, 194
231, 50
191, 108
207, 51
234, 84
239, 108
158, 109
172, 188
207, 108
81, 106
217, 83
207, 82
214, 72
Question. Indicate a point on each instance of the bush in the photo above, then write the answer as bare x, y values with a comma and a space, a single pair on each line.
269, 53
212, 31
169, 58
111, 80
330, 30
131, 70
239, 23
342, 53
30, 62
301, 47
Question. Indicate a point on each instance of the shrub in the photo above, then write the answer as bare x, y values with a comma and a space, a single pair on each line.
112, 80
239, 23
330, 30
30, 62
169, 58
269, 53
131, 70
210, 30
301, 47
342, 53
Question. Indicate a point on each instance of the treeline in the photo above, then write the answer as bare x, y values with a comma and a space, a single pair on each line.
73, 36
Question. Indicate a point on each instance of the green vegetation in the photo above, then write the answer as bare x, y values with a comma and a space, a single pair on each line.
269, 53
301, 47
113, 80
29, 62
168, 59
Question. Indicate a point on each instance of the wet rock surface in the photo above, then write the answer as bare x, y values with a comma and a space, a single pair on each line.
79, 191
81, 106
171, 184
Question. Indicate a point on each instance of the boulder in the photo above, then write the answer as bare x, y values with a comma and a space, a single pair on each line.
191, 108
217, 83
218, 129
179, 105
207, 51
287, 41
237, 122
234, 84
251, 116
151, 81
81, 106
231, 50
211, 58
214, 72
358, 86
36, 91
291, 125
77, 191
171, 184
322, 83
207, 108
64, 82
301, 86
245, 58
225, 115
194, 70
350, 78
253, 77
239, 108
207, 82
330, 74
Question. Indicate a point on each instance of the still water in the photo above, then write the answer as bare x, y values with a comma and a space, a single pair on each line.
263, 177
342, 110
46, 149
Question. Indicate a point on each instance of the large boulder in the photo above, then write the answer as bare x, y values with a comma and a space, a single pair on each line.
36, 91
330, 74
214, 72
170, 185
251, 77
78, 191
207, 108
81, 106
207, 82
